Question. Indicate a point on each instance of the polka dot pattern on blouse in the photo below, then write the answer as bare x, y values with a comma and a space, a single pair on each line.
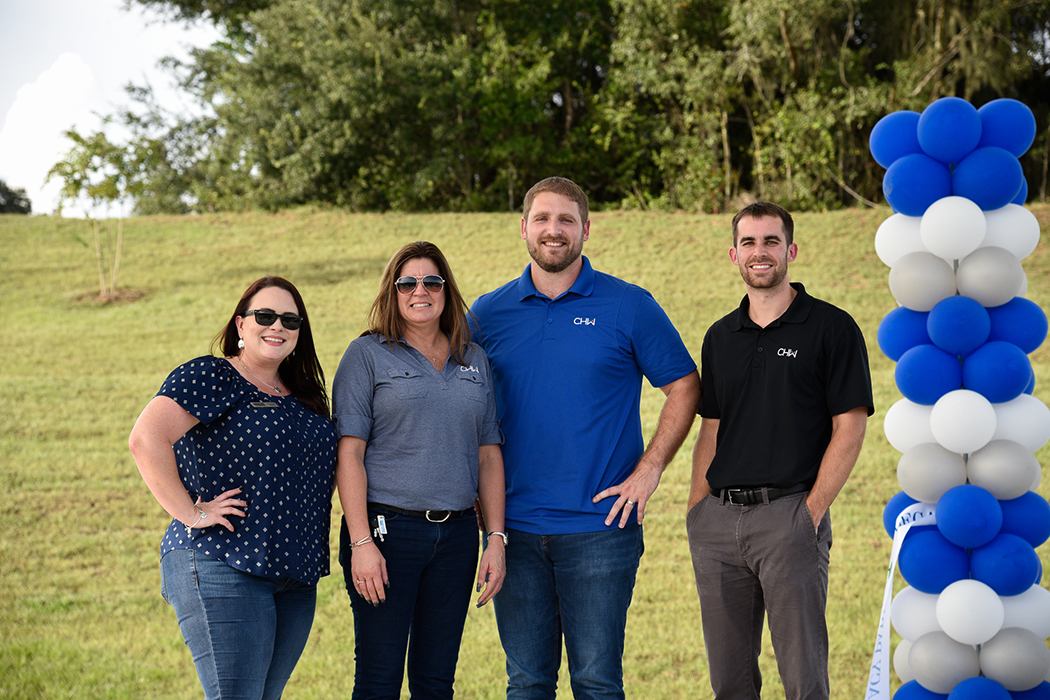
280, 454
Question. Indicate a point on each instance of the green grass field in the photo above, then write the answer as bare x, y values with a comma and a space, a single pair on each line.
80, 610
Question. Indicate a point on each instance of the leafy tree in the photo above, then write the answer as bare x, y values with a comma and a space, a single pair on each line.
14, 200
106, 173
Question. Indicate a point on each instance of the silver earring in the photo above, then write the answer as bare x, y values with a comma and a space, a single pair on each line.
240, 343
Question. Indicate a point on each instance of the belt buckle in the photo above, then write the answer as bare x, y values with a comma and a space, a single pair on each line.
447, 513
742, 493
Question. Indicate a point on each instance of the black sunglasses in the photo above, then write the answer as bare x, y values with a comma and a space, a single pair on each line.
431, 283
264, 317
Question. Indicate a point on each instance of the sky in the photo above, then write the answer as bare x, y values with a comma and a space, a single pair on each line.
65, 61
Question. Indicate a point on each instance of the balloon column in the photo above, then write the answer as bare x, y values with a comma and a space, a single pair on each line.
973, 617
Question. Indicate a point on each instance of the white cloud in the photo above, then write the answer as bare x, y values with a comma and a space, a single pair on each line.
32, 139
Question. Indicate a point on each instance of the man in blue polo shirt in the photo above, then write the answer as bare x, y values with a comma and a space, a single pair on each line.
787, 394
568, 347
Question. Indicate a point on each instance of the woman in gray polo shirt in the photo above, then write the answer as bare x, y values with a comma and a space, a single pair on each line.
416, 414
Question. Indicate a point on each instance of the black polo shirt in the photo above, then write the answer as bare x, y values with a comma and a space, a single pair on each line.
775, 389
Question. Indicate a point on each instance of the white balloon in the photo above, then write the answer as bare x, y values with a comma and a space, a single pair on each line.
919, 280
1013, 228
897, 236
991, 276
1004, 468
969, 612
1015, 658
926, 471
962, 421
907, 424
1025, 420
1030, 610
941, 663
953, 227
900, 661
914, 613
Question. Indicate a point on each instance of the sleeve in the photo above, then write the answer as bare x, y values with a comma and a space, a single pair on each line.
709, 405
490, 431
205, 387
352, 391
847, 375
657, 345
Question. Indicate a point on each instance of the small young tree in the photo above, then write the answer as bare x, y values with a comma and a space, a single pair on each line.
104, 172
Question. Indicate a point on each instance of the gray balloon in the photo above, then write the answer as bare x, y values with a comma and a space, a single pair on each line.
926, 471
939, 663
1004, 468
1015, 658
991, 276
919, 280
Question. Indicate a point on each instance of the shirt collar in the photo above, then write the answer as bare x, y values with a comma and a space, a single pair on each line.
797, 312
583, 285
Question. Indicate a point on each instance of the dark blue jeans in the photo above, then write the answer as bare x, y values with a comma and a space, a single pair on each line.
579, 586
246, 632
431, 567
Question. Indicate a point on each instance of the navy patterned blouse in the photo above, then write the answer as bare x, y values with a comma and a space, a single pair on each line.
280, 454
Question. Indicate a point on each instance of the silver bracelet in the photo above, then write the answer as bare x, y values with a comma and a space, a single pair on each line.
201, 516
501, 534
360, 542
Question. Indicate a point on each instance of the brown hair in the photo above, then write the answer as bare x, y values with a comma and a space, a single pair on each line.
760, 210
301, 371
558, 185
385, 318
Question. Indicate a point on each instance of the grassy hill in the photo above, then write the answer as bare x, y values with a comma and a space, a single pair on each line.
80, 609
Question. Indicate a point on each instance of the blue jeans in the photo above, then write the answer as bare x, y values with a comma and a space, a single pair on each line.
576, 585
246, 632
431, 568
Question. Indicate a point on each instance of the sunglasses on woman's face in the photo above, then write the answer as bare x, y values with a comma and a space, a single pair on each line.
265, 317
431, 283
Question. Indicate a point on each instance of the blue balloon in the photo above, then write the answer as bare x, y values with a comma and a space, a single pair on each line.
949, 128
1040, 692
930, 563
894, 136
989, 177
1022, 195
979, 688
893, 508
1030, 389
1028, 517
1019, 321
914, 182
913, 691
926, 373
901, 330
1008, 124
968, 516
998, 371
1007, 564
958, 325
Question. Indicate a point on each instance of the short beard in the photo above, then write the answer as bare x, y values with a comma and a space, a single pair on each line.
558, 264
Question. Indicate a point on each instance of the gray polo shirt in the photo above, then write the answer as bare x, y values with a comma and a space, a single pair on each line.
423, 427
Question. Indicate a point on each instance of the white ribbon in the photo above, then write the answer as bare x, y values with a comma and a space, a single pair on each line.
879, 673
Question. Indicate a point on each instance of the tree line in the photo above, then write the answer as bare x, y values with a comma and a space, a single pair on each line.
461, 105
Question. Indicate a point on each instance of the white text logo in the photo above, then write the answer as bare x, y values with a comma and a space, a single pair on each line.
584, 321
784, 352
468, 369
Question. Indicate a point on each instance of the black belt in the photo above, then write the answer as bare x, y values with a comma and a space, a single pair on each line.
759, 494
434, 516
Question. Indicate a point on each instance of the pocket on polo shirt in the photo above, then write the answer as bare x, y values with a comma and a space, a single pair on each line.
408, 383
473, 386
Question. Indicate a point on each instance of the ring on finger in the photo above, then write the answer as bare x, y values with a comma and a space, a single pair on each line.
630, 503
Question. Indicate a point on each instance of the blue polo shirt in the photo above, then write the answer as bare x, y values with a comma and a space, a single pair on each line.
568, 378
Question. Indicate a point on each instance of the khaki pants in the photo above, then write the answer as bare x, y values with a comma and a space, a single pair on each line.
757, 560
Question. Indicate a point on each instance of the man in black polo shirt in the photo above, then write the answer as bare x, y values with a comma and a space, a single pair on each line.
786, 396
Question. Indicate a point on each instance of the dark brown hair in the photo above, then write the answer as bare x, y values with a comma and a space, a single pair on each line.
385, 318
760, 210
301, 371
558, 185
